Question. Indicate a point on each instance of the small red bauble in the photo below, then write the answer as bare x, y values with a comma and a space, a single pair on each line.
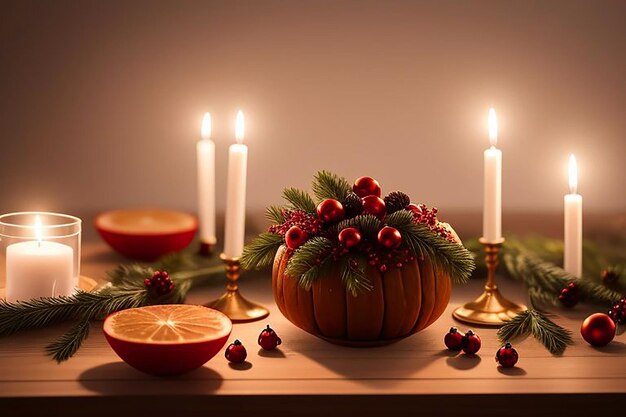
295, 237
350, 237
389, 237
598, 329
471, 342
268, 339
375, 206
236, 352
453, 339
507, 356
365, 186
330, 211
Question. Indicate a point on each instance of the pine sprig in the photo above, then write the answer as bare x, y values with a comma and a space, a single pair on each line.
353, 275
306, 257
450, 257
261, 251
367, 224
274, 214
533, 322
299, 200
328, 185
67, 345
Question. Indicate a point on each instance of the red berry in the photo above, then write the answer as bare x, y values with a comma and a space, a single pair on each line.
610, 275
618, 312
389, 237
268, 339
350, 237
295, 237
598, 329
507, 356
365, 186
374, 205
330, 211
471, 342
453, 339
236, 352
569, 295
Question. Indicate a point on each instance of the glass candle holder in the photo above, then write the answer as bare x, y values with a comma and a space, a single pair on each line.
40, 254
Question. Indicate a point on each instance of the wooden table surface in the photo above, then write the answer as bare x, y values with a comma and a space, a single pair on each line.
307, 376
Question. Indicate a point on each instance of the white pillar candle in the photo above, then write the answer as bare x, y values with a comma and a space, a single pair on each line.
38, 268
573, 227
206, 183
235, 226
492, 189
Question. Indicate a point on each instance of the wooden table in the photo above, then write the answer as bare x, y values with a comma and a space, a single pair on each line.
308, 376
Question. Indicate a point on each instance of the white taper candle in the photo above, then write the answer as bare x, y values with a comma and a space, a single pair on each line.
206, 182
492, 189
573, 225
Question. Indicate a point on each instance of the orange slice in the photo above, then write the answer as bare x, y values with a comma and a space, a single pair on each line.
167, 339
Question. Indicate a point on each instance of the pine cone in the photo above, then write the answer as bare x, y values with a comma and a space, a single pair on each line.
396, 201
352, 205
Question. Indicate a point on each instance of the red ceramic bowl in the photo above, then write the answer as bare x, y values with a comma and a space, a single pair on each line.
146, 234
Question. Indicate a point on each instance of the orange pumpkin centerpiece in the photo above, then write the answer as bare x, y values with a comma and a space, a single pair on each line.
356, 269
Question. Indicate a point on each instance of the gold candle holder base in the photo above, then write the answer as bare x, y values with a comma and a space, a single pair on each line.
232, 303
206, 249
490, 308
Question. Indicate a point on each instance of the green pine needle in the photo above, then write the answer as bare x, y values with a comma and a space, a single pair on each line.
328, 185
353, 276
367, 224
533, 322
67, 345
299, 200
261, 251
274, 214
306, 257
450, 257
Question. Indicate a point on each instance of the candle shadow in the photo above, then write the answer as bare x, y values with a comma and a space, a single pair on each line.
118, 378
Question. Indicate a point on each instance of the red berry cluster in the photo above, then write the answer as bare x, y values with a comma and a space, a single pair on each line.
423, 215
387, 259
308, 223
617, 313
160, 283
569, 295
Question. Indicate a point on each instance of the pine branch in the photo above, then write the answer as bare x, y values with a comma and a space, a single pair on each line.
314, 273
353, 275
261, 251
450, 257
554, 337
299, 200
307, 256
367, 224
67, 345
328, 185
275, 214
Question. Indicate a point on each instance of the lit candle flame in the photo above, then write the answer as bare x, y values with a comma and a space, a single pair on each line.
205, 131
493, 127
239, 127
38, 229
573, 174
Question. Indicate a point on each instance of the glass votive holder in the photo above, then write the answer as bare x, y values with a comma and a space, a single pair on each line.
39, 254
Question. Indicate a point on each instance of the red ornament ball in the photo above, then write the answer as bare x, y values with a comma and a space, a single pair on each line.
375, 206
598, 329
389, 237
236, 352
295, 237
268, 339
330, 211
471, 343
507, 356
365, 186
349, 237
453, 339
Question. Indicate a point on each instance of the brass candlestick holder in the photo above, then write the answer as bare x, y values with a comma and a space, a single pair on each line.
490, 308
232, 303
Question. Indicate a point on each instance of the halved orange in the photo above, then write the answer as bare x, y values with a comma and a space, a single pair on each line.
167, 339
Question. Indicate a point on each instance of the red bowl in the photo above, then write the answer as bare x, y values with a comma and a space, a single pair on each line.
146, 234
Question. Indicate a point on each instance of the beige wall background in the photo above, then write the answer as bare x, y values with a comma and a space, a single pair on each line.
101, 101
